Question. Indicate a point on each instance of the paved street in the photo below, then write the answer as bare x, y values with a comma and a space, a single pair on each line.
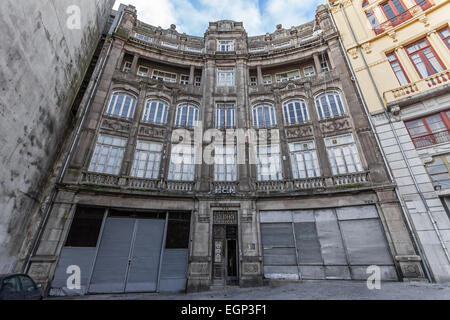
308, 290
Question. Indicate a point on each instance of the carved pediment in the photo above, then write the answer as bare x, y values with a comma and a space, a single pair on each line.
116, 125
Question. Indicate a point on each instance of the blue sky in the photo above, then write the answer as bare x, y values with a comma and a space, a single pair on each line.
193, 16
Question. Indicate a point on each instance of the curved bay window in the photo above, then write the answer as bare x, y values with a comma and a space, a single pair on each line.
295, 111
156, 111
187, 115
122, 105
264, 116
329, 104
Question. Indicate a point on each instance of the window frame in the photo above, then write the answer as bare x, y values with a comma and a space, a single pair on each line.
143, 74
164, 78
314, 161
445, 119
226, 82
179, 115
329, 148
184, 81
272, 116
96, 155
260, 165
267, 82
396, 60
115, 97
447, 38
190, 174
423, 58
253, 81
148, 108
158, 161
287, 73
222, 106
320, 109
445, 158
229, 168
310, 74
126, 68
399, 17
303, 109
230, 45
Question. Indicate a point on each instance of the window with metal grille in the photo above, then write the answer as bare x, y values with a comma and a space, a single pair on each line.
429, 130
147, 160
329, 104
295, 111
343, 154
108, 155
156, 111
304, 161
121, 105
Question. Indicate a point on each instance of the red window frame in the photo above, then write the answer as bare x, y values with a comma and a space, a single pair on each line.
401, 67
447, 38
399, 17
424, 4
377, 29
422, 56
432, 140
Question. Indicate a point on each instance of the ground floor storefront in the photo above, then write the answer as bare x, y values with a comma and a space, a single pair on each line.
118, 244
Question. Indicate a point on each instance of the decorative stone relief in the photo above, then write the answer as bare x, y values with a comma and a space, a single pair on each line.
115, 125
199, 268
299, 132
335, 125
367, 47
152, 132
354, 53
251, 268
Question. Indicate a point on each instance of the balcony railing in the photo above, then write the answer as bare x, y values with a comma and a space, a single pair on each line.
351, 178
404, 16
271, 186
432, 139
434, 81
309, 183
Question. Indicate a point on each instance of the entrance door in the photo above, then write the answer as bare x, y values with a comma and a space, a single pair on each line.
129, 255
226, 255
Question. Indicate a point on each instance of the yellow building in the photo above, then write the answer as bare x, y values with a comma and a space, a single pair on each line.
399, 52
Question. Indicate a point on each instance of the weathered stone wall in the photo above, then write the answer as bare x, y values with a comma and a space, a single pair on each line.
42, 65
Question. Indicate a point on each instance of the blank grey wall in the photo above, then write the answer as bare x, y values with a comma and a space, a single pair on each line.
42, 65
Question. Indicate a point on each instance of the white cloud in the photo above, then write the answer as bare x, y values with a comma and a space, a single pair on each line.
193, 17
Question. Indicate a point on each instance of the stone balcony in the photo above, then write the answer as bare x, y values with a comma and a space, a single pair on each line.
318, 184
413, 89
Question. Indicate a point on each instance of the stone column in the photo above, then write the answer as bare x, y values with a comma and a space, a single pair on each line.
317, 63
260, 76
192, 76
134, 64
330, 60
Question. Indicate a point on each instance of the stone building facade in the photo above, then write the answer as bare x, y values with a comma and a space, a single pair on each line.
46, 49
401, 60
302, 194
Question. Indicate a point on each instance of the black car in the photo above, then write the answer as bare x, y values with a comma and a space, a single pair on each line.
19, 287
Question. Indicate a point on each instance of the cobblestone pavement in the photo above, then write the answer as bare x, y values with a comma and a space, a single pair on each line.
307, 290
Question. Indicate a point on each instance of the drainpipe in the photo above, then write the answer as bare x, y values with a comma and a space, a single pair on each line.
425, 264
43, 223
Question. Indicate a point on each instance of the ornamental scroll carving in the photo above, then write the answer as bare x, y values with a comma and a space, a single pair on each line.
335, 125
152, 132
299, 132
115, 125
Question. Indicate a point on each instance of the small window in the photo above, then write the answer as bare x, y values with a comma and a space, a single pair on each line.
127, 66
267, 79
438, 170
395, 11
309, 71
329, 104
198, 81
164, 76
324, 64
398, 69
288, 76
142, 71
253, 81
225, 77
85, 228
184, 79
225, 45
122, 105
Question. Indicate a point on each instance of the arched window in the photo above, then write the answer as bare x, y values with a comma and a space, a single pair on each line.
264, 116
156, 111
187, 115
122, 105
329, 104
295, 111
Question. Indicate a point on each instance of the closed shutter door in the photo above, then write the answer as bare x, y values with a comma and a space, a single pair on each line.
146, 253
174, 270
112, 259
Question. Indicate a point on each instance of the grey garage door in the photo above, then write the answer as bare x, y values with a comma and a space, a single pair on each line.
324, 244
